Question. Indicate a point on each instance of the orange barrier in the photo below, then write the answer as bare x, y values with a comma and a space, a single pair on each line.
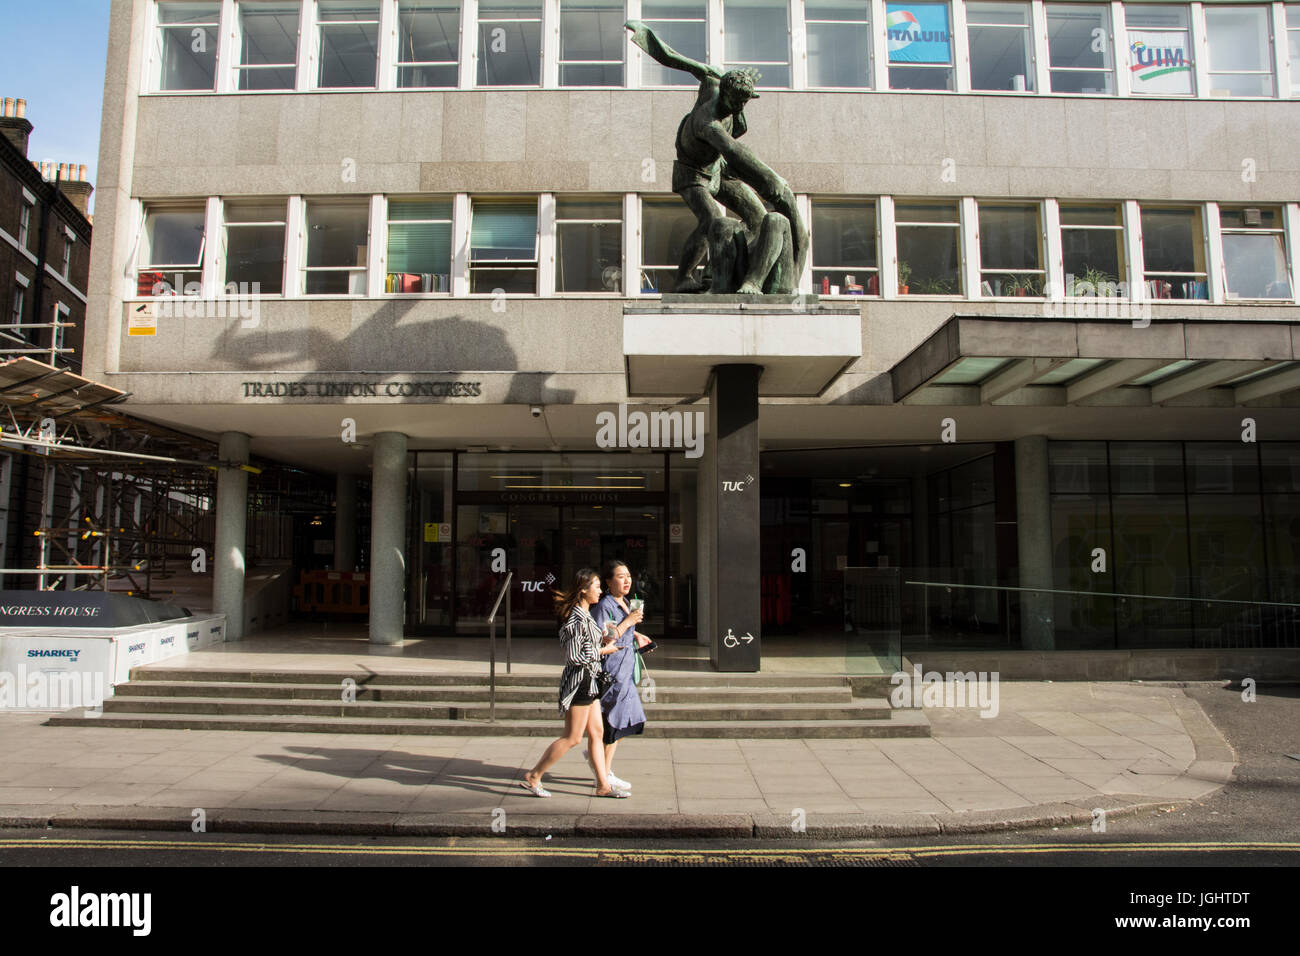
334, 592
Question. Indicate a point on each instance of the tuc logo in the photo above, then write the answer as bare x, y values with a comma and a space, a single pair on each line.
536, 587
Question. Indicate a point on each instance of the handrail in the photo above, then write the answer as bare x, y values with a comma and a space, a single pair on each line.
1140, 597
492, 661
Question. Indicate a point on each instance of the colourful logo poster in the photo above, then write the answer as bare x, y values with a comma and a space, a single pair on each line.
1160, 62
918, 33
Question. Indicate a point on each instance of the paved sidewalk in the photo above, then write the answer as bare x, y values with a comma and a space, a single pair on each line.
1054, 753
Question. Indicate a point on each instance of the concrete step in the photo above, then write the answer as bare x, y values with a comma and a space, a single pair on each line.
902, 723
546, 712
471, 694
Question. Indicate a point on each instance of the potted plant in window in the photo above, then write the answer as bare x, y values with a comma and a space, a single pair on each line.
1095, 279
904, 274
934, 286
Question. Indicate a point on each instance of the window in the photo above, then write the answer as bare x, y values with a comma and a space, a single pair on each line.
839, 43
428, 44
1078, 44
681, 24
666, 225
1011, 250
999, 46
62, 319
1241, 55
588, 245
503, 247
844, 247
268, 46
1254, 253
920, 46
1293, 44
591, 43
1160, 50
419, 246
187, 45
349, 44
928, 248
1092, 243
67, 256
756, 34
510, 43
1173, 253
171, 251
338, 247
16, 308
255, 247
25, 223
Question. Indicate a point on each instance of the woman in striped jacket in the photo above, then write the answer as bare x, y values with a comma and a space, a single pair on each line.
579, 694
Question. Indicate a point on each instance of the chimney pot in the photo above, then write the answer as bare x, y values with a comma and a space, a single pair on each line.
9, 106
21, 109
81, 173
63, 171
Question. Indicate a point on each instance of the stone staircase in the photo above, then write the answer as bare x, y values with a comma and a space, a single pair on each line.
680, 704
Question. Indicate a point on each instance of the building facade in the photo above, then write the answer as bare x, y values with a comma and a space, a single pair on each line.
408, 244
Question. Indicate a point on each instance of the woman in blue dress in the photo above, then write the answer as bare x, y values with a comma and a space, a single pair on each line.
621, 704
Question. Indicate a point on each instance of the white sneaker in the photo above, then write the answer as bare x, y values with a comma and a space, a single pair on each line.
618, 782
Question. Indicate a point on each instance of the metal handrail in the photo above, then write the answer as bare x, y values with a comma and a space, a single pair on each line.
492, 660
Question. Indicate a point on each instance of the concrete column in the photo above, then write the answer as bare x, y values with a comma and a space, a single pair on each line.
345, 523
1034, 540
388, 538
737, 581
232, 523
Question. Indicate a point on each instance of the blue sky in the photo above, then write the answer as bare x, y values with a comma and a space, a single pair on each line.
52, 55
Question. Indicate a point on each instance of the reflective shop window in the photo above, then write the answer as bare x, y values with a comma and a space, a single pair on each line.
503, 247
1092, 248
1011, 250
338, 248
1254, 252
1000, 57
510, 43
254, 253
1173, 253
1079, 48
589, 245
756, 35
1160, 50
268, 46
928, 248
682, 25
171, 251
349, 44
666, 225
187, 45
839, 44
920, 46
1241, 50
428, 44
591, 42
844, 247
419, 246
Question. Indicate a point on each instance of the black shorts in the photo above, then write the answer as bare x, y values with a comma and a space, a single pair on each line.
582, 700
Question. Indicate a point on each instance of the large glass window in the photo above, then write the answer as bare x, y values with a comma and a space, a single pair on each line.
920, 46
349, 44
268, 46
419, 246
1241, 53
1092, 247
589, 245
255, 246
928, 248
428, 44
187, 45
1000, 47
591, 42
510, 43
757, 35
1173, 253
839, 43
338, 248
844, 247
1011, 250
665, 226
1160, 50
1254, 252
1079, 48
681, 24
171, 251
503, 247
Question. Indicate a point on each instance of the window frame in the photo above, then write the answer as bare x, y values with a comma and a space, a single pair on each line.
154, 61
729, 64
1205, 253
1189, 30
617, 200
388, 232
986, 270
1111, 71
954, 84
499, 264
874, 272
318, 44
1279, 230
304, 271
26, 206
171, 269
237, 66
225, 280
400, 64
645, 60
542, 46
959, 229
1121, 282
1031, 46
561, 63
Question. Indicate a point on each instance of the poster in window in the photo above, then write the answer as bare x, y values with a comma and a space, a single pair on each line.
1161, 62
918, 33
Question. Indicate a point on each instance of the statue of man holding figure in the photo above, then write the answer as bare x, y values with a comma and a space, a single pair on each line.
762, 252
